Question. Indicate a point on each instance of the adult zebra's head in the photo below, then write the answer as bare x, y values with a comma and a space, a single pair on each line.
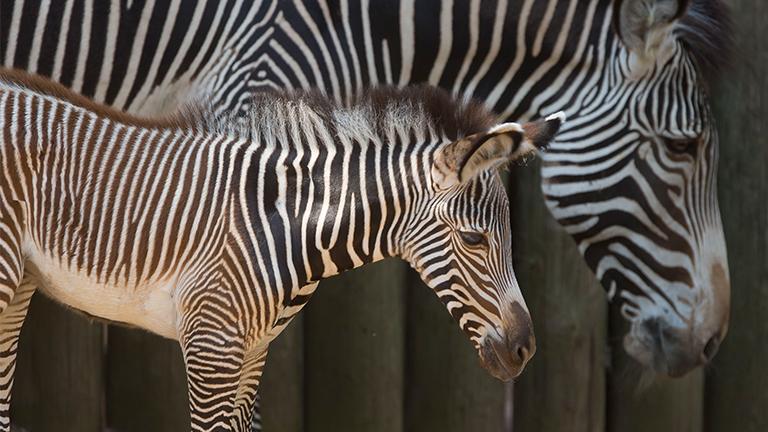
461, 241
633, 179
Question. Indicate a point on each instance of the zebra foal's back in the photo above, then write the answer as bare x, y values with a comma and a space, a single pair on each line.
111, 211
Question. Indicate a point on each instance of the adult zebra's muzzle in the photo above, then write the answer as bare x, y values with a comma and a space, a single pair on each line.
505, 355
674, 344
677, 351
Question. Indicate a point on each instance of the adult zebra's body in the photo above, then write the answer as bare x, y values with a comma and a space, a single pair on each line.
635, 171
217, 235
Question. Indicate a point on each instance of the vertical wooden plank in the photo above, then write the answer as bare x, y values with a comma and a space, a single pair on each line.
563, 387
446, 388
146, 382
354, 339
60, 374
640, 402
737, 381
282, 386
668, 404
147, 385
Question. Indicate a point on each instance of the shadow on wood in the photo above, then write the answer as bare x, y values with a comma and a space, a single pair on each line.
446, 388
354, 333
282, 384
146, 382
563, 387
737, 399
59, 382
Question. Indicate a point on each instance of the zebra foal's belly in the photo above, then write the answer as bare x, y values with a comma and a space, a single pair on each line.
149, 306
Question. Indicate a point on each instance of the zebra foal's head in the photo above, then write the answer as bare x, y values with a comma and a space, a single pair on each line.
460, 240
640, 198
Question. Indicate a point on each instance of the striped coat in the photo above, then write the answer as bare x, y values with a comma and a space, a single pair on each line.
216, 234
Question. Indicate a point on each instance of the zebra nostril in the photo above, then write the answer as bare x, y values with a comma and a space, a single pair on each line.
518, 354
523, 350
710, 349
518, 334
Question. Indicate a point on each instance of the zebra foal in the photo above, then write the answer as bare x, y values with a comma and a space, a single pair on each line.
215, 234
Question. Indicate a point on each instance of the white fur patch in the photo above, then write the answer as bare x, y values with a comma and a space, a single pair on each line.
150, 306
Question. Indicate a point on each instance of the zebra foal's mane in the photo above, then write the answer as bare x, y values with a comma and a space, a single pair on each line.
371, 112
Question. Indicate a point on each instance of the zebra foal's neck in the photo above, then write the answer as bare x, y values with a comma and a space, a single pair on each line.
356, 172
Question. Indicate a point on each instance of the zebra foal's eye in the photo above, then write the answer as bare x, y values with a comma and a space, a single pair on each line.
471, 238
687, 145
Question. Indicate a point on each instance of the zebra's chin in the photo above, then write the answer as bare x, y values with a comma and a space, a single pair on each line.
669, 350
675, 334
505, 354
499, 366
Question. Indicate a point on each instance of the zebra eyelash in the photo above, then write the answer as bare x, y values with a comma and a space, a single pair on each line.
682, 146
474, 238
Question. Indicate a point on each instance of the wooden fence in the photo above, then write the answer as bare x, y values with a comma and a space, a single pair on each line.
389, 358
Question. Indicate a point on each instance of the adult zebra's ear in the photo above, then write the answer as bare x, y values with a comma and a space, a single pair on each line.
461, 161
645, 25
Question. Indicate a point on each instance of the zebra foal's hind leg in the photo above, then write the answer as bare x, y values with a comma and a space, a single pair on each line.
11, 321
14, 299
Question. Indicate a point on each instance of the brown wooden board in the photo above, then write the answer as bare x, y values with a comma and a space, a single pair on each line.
668, 404
60, 372
446, 388
563, 387
282, 385
737, 381
146, 382
354, 339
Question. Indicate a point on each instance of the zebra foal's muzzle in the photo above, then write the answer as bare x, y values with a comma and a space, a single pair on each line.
505, 355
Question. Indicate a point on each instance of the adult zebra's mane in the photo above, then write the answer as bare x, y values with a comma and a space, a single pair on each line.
703, 26
707, 31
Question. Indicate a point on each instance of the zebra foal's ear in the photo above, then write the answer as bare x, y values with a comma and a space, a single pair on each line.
644, 25
463, 160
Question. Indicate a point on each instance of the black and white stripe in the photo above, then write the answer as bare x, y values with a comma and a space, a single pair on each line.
631, 178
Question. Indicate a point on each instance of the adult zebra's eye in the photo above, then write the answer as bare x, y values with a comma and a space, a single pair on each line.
473, 238
687, 145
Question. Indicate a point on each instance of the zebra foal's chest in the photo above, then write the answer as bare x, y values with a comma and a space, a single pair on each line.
147, 305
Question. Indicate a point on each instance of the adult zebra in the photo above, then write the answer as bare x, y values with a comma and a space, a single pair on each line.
633, 172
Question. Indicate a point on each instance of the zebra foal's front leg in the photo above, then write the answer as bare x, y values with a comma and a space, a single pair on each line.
247, 416
223, 383
213, 359
221, 374
256, 425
